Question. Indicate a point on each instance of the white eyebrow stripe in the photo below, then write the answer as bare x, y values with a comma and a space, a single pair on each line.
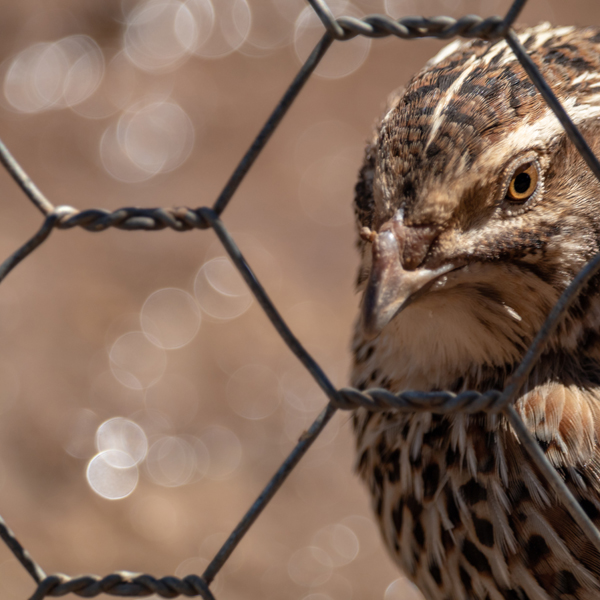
437, 118
540, 131
540, 34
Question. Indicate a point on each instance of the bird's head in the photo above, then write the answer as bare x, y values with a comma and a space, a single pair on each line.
472, 204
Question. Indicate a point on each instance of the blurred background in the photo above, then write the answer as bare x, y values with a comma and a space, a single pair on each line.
145, 400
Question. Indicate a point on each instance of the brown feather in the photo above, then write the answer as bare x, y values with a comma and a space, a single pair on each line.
460, 505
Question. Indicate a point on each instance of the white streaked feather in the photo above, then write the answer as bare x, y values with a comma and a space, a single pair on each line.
445, 52
431, 525
503, 534
438, 114
541, 130
534, 487
525, 579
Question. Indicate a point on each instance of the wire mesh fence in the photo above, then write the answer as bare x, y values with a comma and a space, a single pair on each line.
336, 31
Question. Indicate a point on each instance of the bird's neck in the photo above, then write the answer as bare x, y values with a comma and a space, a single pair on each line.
423, 351
456, 348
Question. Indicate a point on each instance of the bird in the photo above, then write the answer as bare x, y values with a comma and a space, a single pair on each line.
474, 212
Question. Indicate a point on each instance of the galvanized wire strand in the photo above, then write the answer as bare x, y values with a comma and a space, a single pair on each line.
410, 28
20, 553
517, 382
552, 476
24, 181
561, 114
132, 219
327, 18
494, 401
513, 14
442, 403
306, 440
574, 289
311, 366
376, 26
185, 219
26, 249
269, 127
268, 307
532, 355
122, 583
470, 401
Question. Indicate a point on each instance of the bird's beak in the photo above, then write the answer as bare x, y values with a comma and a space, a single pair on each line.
391, 288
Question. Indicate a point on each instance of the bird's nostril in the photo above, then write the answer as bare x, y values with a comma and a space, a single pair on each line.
415, 242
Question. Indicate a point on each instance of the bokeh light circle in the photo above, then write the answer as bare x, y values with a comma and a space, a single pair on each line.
170, 318
341, 60
150, 138
112, 474
220, 289
157, 137
171, 461
233, 20
54, 74
136, 362
270, 29
340, 543
368, 537
160, 34
124, 435
402, 589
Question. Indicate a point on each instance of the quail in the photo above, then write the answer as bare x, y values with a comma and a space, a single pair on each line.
475, 212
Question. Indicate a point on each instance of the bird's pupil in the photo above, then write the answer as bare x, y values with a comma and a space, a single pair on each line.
522, 183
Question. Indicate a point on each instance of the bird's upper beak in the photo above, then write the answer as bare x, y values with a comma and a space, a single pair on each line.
391, 286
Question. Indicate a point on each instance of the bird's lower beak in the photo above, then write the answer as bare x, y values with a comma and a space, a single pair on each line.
391, 288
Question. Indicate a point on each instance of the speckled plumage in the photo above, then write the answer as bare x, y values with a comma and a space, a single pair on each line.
461, 507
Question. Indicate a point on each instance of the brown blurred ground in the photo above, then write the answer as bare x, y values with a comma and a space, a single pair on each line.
67, 303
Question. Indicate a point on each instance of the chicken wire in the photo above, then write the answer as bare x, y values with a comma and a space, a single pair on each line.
185, 219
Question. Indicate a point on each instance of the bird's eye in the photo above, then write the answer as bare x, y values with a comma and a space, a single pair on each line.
523, 183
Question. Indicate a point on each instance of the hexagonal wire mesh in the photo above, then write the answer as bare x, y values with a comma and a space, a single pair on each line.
184, 219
